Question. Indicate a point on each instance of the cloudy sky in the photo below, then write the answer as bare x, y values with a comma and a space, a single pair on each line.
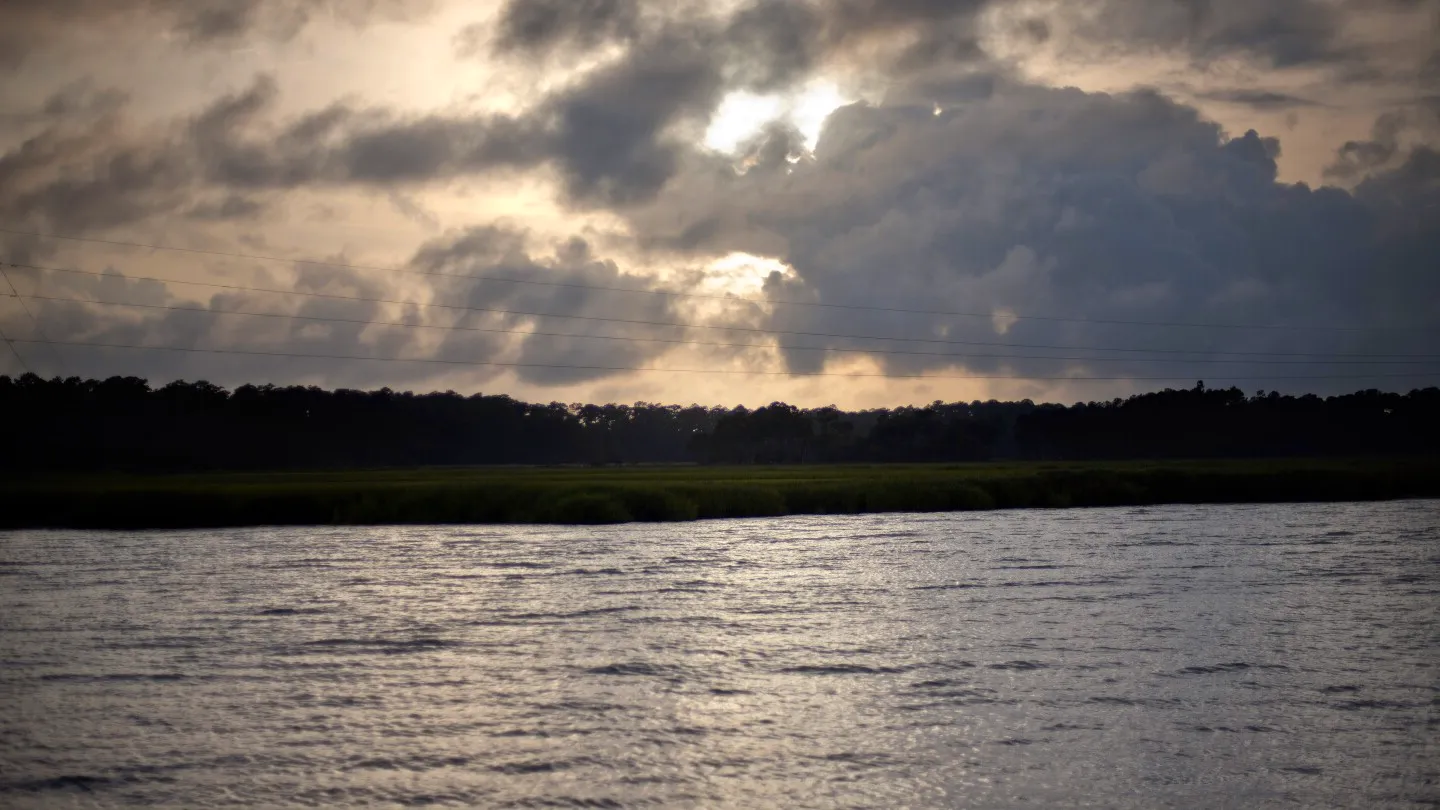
858, 202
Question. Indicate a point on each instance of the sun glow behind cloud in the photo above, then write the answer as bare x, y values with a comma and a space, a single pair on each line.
813, 107
742, 114
743, 274
739, 116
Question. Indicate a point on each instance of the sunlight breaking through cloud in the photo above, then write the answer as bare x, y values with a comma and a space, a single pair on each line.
742, 114
743, 274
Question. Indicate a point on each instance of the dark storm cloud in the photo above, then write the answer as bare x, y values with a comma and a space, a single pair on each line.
763, 45
577, 275
610, 132
1390, 137
612, 150
351, 326
541, 25
81, 172
611, 137
910, 35
90, 178
1125, 207
103, 175
80, 319
27, 26
607, 138
1409, 198
773, 42
1362, 44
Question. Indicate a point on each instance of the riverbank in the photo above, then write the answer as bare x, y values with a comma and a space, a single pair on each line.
621, 494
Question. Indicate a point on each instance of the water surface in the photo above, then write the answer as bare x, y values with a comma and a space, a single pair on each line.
1187, 656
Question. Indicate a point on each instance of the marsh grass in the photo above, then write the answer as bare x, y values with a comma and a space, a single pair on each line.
619, 494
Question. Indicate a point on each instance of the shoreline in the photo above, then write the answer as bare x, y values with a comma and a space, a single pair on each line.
588, 496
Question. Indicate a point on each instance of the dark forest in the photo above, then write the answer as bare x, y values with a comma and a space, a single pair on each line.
122, 423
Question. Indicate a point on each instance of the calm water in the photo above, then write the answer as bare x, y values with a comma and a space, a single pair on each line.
1218, 656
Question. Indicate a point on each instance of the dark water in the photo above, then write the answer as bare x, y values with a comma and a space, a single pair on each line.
1217, 656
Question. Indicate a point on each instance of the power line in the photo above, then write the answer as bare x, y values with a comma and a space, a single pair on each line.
568, 366
965, 355
710, 296
684, 325
36, 321
15, 351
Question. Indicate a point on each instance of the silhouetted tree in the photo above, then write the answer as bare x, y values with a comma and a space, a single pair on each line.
123, 424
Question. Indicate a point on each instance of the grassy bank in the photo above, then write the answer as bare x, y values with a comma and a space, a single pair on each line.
612, 495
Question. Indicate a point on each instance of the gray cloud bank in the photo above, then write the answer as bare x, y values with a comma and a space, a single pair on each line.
345, 313
1119, 208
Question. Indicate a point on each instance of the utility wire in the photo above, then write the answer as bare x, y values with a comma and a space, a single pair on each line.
685, 325
15, 351
965, 355
36, 321
731, 298
568, 366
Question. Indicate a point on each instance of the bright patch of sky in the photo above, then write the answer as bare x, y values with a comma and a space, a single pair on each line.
741, 115
742, 274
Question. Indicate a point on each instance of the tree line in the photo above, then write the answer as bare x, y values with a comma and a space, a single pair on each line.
122, 423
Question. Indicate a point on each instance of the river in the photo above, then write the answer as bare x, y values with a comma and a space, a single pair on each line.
1183, 656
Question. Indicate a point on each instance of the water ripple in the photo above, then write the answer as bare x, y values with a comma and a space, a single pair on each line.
1185, 656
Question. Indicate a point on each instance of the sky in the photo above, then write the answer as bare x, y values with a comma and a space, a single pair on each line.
864, 203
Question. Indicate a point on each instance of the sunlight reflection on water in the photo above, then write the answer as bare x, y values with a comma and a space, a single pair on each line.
1178, 656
